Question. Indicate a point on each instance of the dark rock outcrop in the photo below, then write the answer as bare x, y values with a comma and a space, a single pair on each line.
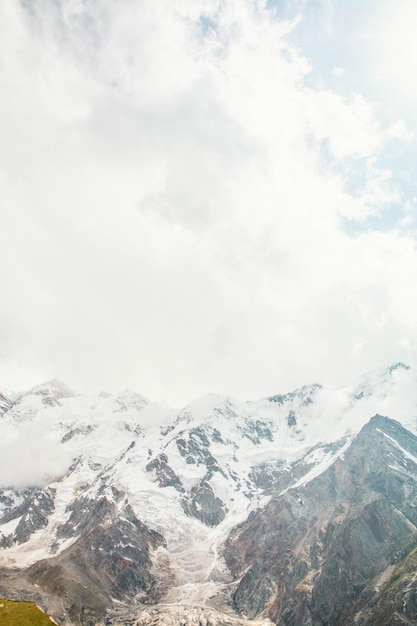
310, 556
204, 505
164, 474
335, 545
33, 512
194, 446
111, 560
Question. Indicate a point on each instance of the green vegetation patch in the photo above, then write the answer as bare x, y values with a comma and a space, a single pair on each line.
22, 614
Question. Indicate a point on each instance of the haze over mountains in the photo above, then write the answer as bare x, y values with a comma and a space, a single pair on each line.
297, 509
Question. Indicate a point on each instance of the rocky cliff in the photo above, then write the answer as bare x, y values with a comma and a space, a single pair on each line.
294, 509
324, 548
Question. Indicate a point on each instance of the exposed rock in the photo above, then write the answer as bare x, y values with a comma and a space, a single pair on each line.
291, 419
304, 395
194, 446
164, 474
34, 513
85, 514
309, 555
80, 430
391, 599
268, 476
204, 505
333, 541
110, 561
257, 430
10, 500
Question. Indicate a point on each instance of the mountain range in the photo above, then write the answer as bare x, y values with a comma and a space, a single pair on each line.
299, 509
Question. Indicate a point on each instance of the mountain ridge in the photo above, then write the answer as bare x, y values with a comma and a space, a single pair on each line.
179, 508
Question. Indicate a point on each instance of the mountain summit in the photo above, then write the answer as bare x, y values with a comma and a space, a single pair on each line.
297, 509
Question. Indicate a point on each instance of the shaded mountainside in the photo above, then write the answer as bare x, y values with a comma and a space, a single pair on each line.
219, 513
110, 561
326, 551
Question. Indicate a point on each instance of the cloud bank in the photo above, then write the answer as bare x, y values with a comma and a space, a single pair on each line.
177, 198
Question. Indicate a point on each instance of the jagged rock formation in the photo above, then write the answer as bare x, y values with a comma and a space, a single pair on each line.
286, 509
110, 561
313, 554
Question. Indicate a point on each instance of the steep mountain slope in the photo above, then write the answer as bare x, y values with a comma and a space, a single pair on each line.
394, 596
117, 502
315, 552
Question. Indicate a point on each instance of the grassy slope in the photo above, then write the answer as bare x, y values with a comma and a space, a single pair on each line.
22, 614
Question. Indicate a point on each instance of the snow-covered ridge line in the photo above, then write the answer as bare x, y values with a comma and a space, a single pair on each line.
326, 461
189, 475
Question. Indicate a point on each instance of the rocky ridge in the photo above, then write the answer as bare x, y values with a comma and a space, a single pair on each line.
241, 509
313, 553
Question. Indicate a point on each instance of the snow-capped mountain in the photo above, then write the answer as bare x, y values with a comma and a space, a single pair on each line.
111, 503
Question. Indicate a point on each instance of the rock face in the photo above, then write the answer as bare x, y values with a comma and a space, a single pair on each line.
110, 561
315, 553
204, 505
218, 514
394, 599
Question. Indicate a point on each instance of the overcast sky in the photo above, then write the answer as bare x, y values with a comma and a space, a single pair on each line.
206, 195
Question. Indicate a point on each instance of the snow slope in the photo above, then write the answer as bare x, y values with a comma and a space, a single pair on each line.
190, 474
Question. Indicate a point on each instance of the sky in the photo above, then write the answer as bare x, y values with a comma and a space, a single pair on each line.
206, 195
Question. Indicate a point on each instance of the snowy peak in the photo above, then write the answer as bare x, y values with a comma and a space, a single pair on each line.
213, 501
51, 392
333, 535
382, 423
33, 402
397, 443
378, 381
129, 400
302, 396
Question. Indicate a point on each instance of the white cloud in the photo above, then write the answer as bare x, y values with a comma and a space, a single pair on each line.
338, 71
29, 456
399, 130
395, 48
169, 221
